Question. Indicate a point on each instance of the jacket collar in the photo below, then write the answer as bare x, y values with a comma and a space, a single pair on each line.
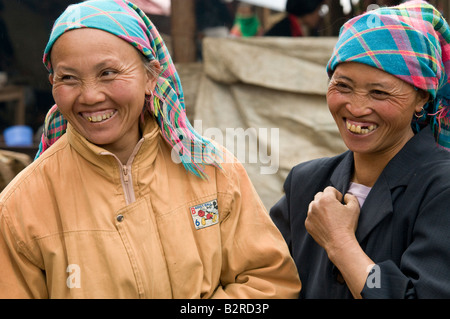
340, 179
144, 153
397, 173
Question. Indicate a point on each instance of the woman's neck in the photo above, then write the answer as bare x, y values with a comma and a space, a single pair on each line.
124, 149
368, 167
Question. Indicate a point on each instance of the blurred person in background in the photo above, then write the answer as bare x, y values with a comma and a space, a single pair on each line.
303, 17
246, 23
213, 19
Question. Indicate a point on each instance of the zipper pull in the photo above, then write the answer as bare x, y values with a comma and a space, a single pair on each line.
125, 173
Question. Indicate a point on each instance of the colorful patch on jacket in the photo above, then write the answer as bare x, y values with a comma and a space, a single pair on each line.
205, 215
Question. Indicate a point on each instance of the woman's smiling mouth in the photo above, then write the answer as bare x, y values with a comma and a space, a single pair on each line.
360, 128
97, 117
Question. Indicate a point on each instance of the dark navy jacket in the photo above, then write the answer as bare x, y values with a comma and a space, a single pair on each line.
404, 225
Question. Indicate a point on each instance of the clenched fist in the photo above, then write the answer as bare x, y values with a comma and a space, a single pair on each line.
331, 223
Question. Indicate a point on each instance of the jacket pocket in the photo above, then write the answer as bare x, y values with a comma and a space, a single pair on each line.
193, 253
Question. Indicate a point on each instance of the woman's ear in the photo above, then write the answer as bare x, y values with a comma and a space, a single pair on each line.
422, 98
50, 78
153, 69
150, 86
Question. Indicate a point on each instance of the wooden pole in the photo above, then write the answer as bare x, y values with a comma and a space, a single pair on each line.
183, 31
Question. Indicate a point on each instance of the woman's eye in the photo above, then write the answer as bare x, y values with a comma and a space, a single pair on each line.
66, 78
343, 87
379, 94
108, 74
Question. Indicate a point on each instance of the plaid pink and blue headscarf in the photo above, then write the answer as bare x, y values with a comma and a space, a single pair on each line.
128, 22
412, 42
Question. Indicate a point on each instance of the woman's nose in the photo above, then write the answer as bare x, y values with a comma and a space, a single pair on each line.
359, 106
91, 94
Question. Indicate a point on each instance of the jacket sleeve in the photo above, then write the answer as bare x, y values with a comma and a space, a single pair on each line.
20, 277
256, 260
424, 268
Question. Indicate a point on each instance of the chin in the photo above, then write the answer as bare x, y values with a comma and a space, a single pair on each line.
100, 140
358, 147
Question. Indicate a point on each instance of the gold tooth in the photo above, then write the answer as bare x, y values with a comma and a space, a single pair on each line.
102, 117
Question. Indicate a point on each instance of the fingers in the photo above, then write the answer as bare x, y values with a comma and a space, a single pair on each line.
329, 220
329, 192
328, 196
351, 200
334, 192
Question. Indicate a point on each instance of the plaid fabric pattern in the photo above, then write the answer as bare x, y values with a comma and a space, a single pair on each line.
55, 126
411, 42
129, 23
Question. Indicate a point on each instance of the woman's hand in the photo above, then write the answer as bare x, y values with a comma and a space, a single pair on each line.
333, 225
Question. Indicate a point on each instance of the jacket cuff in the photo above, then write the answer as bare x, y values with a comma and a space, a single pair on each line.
386, 281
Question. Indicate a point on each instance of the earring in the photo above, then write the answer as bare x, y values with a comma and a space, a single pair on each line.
421, 114
148, 99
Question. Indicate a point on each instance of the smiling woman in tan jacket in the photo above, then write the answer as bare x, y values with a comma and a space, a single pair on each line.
106, 212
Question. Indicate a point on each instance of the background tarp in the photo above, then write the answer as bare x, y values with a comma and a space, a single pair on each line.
265, 85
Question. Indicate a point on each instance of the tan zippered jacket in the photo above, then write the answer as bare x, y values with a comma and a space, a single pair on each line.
77, 223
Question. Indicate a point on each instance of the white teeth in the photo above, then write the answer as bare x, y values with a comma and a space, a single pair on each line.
101, 117
361, 130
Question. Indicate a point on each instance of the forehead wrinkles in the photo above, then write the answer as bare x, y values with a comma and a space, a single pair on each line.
371, 80
93, 44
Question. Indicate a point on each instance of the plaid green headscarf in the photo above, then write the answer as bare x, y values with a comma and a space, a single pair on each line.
128, 22
410, 41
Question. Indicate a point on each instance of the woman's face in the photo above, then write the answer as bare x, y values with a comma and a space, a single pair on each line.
373, 109
99, 84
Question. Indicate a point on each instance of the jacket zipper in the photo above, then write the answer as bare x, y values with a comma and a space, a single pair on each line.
125, 173
127, 184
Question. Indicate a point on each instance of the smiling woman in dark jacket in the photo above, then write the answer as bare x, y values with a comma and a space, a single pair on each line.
374, 222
